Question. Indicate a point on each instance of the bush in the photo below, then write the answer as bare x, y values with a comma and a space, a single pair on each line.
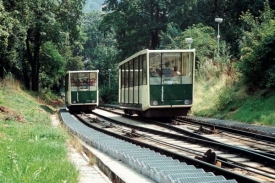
108, 95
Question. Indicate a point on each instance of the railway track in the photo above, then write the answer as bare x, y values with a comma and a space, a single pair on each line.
248, 164
260, 144
252, 140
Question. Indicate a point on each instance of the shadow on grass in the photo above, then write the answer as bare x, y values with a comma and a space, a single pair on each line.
47, 109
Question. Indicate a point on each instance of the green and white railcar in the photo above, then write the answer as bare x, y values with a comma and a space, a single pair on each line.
81, 90
157, 83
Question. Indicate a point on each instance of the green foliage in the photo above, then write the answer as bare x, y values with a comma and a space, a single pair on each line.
30, 148
108, 95
100, 50
137, 24
221, 99
52, 65
171, 38
207, 64
256, 109
204, 41
29, 26
257, 64
225, 98
74, 64
11, 40
26, 147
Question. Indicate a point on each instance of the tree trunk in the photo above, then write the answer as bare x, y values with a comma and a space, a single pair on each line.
34, 58
26, 76
36, 64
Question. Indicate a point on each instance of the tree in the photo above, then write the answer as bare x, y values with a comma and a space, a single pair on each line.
52, 65
11, 36
257, 44
37, 32
48, 21
139, 19
100, 47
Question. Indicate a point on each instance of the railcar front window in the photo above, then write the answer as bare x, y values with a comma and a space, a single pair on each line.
187, 68
155, 68
170, 68
83, 81
74, 81
92, 81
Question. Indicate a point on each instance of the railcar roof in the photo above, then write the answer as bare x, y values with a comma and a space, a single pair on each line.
79, 71
154, 51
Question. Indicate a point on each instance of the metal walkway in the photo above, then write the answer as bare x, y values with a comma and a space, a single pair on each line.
158, 167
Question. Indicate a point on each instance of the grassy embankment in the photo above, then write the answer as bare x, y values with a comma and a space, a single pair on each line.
31, 150
221, 99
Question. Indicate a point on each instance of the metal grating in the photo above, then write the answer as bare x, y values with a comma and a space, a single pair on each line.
158, 167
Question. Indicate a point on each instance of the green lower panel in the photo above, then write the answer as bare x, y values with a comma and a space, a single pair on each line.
171, 94
84, 97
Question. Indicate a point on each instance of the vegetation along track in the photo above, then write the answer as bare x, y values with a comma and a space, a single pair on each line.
173, 142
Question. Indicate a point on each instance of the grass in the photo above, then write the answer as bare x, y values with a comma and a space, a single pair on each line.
31, 150
224, 99
260, 109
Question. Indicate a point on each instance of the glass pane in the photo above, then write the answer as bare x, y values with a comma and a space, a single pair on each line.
136, 72
144, 69
74, 80
126, 74
186, 69
171, 62
122, 76
92, 79
140, 70
131, 76
83, 79
154, 68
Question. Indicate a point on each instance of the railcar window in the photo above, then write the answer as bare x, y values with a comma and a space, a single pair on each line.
144, 69
122, 70
170, 64
131, 73
136, 71
92, 79
83, 81
126, 75
154, 68
187, 60
140, 70
74, 79
170, 68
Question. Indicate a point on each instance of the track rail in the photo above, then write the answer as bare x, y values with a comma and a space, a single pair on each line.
209, 144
